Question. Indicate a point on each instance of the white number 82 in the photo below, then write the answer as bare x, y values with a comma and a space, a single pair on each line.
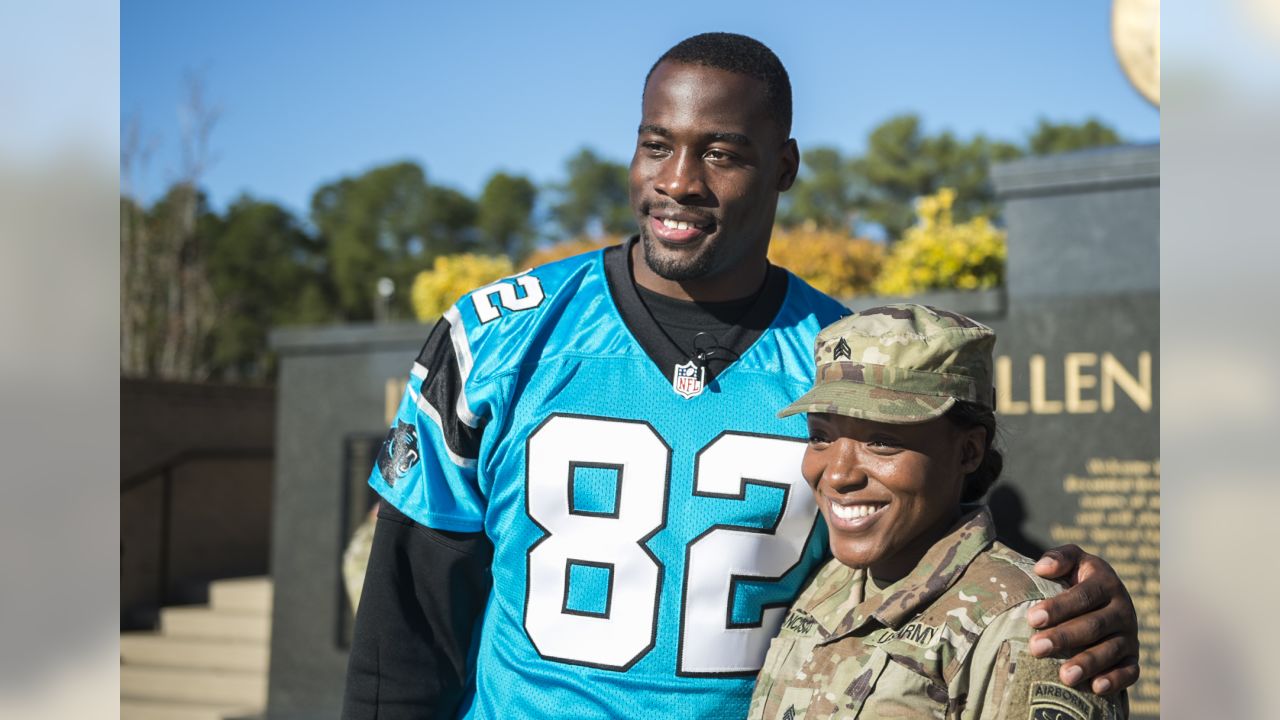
710, 643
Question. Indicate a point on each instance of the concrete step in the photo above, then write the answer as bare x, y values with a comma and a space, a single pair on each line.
204, 622
245, 595
133, 709
155, 650
188, 685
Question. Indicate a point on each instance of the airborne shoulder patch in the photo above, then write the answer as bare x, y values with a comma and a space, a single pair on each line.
1034, 692
1054, 701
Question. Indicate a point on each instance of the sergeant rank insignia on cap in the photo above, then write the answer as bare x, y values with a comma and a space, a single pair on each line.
842, 349
687, 379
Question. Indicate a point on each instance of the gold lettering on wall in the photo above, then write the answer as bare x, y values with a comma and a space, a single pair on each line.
1113, 373
1005, 404
1039, 405
1117, 516
1083, 375
1074, 381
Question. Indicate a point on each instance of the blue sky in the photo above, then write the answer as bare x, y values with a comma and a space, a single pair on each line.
310, 92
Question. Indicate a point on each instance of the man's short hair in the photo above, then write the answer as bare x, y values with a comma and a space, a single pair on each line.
738, 54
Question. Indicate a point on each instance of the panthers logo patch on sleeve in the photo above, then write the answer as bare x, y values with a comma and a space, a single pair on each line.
399, 452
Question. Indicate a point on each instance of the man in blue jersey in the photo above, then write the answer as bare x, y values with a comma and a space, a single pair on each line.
590, 508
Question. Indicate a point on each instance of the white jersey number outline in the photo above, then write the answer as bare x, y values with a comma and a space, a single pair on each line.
506, 292
626, 630
711, 644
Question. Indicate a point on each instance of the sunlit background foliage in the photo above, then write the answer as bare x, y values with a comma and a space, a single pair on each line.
201, 289
831, 260
937, 253
450, 276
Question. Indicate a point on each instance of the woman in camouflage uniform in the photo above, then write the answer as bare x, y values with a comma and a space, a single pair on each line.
922, 613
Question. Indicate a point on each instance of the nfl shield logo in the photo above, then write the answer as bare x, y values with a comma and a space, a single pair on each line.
687, 380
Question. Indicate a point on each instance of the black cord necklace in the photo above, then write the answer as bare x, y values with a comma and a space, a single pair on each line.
706, 347
691, 377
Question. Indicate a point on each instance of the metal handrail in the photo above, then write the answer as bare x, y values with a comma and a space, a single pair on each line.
164, 471
190, 455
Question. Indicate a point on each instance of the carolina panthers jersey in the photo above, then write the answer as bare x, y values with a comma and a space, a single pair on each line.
649, 532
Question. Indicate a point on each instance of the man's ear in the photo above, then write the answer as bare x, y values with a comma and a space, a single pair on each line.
973, 448
790, 165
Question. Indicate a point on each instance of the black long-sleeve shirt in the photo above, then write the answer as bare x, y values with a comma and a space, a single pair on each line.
423, 595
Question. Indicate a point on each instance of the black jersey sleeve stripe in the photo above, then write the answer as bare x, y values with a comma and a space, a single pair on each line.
439, 381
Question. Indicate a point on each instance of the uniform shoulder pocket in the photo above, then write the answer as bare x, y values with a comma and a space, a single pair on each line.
1034, 692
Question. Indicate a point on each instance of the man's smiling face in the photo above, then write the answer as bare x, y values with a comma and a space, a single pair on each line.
709, 162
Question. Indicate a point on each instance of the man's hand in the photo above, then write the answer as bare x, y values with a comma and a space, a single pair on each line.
1093, 620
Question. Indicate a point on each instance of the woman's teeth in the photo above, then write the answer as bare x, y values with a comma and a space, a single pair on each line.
853, 512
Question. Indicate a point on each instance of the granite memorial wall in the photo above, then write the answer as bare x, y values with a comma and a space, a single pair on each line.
1077, 394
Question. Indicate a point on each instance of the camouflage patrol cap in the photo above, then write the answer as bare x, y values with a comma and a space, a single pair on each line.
899, 364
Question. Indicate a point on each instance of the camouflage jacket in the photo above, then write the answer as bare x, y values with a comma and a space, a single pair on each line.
947, 641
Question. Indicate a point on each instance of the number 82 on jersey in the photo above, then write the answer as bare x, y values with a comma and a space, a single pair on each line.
626, 630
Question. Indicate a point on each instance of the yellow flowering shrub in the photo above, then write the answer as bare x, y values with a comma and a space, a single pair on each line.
939, 254
450, 276
568, 248
832, 261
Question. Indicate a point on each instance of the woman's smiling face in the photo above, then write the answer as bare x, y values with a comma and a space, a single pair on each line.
888, 492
